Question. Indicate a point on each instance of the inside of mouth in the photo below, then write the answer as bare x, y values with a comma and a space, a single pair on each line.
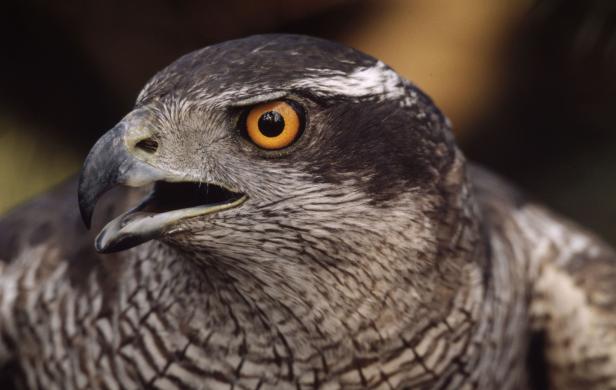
175, 196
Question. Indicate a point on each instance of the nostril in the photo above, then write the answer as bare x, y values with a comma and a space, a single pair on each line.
148, 145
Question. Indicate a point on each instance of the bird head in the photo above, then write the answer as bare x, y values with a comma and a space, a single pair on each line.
284, 153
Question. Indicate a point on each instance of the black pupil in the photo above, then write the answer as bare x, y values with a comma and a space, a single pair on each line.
271, 124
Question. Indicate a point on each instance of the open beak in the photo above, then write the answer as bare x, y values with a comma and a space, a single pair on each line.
114, 161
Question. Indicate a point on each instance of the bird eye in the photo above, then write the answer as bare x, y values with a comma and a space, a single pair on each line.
273, 125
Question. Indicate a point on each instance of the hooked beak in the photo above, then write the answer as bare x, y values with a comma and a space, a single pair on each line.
115, 160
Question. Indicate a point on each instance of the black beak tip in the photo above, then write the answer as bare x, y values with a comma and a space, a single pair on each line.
86, 215
86, 208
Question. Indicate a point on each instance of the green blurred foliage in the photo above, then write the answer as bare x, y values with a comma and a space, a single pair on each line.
30, 162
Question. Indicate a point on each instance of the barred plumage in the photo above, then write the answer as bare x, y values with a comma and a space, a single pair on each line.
368, 254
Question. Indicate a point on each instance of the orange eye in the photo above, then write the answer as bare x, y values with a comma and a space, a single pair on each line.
273, 125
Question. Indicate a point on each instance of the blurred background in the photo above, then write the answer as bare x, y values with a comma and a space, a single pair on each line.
530, 85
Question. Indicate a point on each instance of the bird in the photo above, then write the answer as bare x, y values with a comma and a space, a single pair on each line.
285, 212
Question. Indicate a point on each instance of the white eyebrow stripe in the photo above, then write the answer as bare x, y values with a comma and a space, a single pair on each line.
377, 80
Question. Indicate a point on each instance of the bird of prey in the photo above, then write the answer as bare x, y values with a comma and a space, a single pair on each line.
299, 216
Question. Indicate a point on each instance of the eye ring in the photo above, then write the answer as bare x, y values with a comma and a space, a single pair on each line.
273, 125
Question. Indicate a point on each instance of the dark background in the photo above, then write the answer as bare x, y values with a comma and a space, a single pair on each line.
530, 85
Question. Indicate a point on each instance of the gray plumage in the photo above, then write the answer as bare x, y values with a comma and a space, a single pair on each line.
367, 254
